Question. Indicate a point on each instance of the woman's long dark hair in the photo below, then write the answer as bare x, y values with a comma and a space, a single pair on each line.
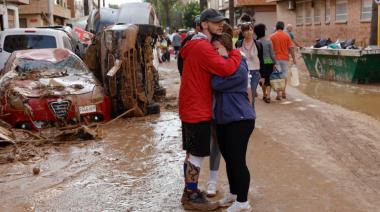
259, 30
225, 39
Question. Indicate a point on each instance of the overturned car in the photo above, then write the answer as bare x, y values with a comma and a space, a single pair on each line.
46, 88
121, 56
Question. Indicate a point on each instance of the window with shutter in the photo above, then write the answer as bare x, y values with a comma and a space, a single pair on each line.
341, 10
299, 13
308, 13
366, 12
317, 12
327, 11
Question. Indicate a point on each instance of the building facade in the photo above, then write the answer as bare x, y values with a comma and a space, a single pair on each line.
81, 8
334, 19
261, 10
9, 13
36, 14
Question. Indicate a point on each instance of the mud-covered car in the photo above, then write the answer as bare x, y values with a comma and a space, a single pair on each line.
50, 88
122, 57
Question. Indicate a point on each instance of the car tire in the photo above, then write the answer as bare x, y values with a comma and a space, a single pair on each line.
153, 108
160, 92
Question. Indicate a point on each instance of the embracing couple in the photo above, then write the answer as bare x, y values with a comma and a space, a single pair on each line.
214, 85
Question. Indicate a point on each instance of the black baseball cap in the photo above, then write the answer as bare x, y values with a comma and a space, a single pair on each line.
212, 15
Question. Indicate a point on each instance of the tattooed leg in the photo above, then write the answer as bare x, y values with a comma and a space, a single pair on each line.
192, 172
192, 176
185, 166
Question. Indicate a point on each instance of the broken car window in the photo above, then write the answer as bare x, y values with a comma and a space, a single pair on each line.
67, 66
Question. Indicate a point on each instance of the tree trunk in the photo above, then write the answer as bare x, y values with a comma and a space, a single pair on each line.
167, 11
373, 36
203, 4
231, 9
85, 7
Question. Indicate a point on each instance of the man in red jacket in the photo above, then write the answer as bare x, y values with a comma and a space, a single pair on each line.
201, 61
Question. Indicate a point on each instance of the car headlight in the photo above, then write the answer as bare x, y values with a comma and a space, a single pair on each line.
97, 94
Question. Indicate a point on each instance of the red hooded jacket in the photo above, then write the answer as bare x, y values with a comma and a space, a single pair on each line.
201, 61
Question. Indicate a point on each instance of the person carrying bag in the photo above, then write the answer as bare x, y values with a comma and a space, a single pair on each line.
277, 82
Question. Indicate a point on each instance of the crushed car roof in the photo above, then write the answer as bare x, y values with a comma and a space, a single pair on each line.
51, 55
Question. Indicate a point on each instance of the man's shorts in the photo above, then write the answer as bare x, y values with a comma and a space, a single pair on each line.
196, 138
176, 48
282, 65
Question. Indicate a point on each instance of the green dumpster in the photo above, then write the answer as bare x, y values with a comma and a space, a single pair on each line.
344, 65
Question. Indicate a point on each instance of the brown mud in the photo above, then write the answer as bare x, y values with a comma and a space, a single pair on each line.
304, 155
357, 97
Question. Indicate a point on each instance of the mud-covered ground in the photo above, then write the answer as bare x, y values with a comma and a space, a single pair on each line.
304, 155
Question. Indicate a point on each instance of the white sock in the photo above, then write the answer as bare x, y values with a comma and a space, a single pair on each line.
195, 160
213, 176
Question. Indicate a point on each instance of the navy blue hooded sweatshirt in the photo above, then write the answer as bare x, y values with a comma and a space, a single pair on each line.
231, 97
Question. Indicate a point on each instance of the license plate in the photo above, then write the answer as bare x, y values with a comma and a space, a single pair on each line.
87, 109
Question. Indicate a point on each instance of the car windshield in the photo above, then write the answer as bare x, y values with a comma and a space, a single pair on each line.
70, 65
21, 42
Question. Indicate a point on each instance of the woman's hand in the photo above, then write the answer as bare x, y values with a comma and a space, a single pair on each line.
222, 51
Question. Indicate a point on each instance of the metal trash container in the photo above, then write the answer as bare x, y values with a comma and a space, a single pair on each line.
344, 65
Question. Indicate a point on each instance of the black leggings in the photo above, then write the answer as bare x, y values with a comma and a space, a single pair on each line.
233, 141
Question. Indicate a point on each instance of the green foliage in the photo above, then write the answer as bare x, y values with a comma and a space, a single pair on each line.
113, 6
173, 13
191, 10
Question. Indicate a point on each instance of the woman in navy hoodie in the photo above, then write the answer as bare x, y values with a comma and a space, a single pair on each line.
235, 119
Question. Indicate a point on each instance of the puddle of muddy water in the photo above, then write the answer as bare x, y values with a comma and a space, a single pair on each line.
138, 169
361, 98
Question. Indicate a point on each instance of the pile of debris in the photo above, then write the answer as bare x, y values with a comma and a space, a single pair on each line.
21, 145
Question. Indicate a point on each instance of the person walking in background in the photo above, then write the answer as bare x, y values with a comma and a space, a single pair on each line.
269, 60
176, 42
282, 45
235, 36
164, 43
244, 19
289, 30
195, 102
252, 50
235, 121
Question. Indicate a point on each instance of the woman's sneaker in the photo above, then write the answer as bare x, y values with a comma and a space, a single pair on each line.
211, 189
240, 207
227, 200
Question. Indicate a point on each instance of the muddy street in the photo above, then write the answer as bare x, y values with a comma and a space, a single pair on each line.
306, 154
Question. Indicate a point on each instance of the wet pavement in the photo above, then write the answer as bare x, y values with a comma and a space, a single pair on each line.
304, 155
357, 97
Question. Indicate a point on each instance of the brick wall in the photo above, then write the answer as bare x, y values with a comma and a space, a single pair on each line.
308, 33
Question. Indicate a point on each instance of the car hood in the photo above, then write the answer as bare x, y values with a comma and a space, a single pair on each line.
53, 86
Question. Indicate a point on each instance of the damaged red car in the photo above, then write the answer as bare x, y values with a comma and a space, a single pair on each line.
43, 88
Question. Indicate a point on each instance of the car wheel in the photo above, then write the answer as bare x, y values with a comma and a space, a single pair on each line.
154, 108
160, 92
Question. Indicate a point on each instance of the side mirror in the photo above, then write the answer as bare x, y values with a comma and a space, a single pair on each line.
1, 50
